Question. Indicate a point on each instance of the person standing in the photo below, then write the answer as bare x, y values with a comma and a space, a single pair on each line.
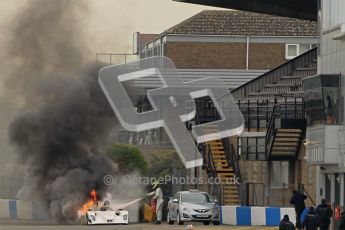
324, 214
158, 196
310, 222
342, 221
298, 201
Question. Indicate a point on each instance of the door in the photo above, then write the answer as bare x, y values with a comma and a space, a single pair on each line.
328, 187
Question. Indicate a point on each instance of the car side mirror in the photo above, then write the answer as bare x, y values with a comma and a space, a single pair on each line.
216, 201
175, 200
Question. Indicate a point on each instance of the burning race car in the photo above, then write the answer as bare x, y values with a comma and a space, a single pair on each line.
92, 213
103, 215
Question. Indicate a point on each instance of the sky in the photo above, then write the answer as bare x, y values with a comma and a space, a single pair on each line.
113, 22
109, 28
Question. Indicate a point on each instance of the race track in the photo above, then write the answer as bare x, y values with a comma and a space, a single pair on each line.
40, 226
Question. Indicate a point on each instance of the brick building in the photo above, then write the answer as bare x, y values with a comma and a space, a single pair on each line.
231, 44
232, 40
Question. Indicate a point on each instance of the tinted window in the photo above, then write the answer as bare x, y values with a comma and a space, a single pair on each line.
177, 196
323, 104
196, 198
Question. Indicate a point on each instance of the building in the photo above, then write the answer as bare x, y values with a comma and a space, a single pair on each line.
232, 40
325, 92
229, 45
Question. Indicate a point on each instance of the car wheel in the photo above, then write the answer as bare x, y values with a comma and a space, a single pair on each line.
168, 219
216, 222
206, 222
179, 222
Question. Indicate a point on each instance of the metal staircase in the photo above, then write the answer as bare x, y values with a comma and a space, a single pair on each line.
286, 130
220, 160
272, 104
221, 170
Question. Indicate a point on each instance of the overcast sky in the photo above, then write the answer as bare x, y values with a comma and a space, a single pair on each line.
112, 22
109, 28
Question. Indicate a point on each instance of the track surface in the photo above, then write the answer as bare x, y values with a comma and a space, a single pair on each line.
164, 226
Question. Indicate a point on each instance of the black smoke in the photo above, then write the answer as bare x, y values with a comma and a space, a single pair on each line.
65, 120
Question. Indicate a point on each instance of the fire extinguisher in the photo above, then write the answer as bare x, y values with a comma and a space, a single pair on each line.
337, 213
153, 205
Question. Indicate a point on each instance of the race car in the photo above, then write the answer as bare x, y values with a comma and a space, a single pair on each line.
104, 215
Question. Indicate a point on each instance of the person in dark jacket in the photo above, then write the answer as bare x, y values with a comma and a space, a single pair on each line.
342, 221
310, 222
298, 201
285, 224
324, 213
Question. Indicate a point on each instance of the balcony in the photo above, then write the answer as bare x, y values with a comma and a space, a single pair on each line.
323, 145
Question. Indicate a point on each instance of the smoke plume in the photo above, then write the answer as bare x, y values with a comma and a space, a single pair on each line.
65, 118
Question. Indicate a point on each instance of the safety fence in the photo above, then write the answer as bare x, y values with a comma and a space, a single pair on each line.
23, 210
230, 215
255, 216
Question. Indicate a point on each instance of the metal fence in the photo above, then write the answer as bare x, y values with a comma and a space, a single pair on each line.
114, 58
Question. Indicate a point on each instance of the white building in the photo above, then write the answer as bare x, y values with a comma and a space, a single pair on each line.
325, 140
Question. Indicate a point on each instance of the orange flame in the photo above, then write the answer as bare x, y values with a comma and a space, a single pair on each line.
90, 202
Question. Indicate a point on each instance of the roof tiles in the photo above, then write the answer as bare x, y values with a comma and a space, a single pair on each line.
231, 22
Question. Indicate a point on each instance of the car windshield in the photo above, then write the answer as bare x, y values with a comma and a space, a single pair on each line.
196, 198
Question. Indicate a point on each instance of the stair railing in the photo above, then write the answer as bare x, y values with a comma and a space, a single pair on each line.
275, 74
271, 131
232, 160
217, 188
231, 157
287, 110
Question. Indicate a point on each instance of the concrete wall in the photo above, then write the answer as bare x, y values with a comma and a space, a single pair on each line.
255, 216
29, 210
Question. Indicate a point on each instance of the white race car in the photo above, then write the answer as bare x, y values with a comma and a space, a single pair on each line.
103, 217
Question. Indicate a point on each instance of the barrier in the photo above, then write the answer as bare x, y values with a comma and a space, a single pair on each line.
255, 216
34, 210
4, 209
17, 209
230, 215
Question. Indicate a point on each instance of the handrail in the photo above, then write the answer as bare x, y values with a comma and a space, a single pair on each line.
270, 131
216, 186
231, 157
283, 113
311, 199
274, 74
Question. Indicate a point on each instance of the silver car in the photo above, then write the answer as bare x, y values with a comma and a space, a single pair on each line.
193, 205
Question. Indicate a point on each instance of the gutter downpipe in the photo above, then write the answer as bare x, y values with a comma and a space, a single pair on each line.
247, 53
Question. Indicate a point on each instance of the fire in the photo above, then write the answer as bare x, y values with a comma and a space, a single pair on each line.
90, 202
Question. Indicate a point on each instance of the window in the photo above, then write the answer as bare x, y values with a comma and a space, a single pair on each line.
280, 174
177, 196
323, 103
190, 197
293, 50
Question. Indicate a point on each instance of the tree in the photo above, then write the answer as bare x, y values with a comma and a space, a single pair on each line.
129, 158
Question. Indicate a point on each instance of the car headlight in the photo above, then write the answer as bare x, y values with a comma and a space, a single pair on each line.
125, 217
185, 210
